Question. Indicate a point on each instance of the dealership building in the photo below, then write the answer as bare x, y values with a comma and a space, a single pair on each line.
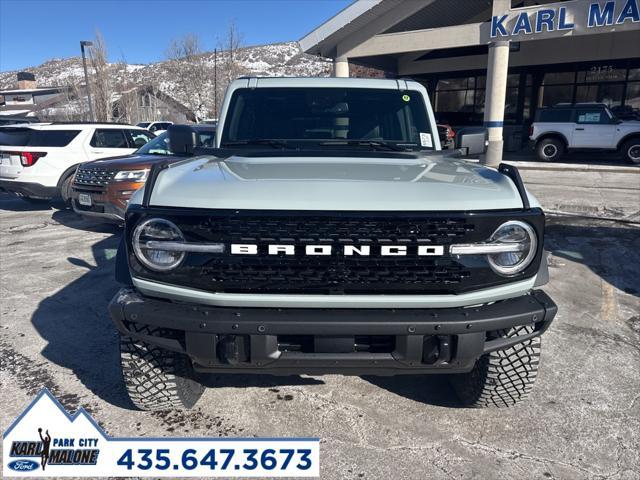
494, 63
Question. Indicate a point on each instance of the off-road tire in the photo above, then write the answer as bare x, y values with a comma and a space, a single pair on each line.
502, 378
631, 151
157, 379
65, 190
550, 149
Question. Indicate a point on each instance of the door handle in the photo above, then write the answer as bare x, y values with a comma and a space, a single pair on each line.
579, 128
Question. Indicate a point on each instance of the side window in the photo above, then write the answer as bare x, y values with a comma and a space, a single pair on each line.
138, 138
154, 127
163, 126
52, 138
555, 116
108, 138
206, 139
591, 116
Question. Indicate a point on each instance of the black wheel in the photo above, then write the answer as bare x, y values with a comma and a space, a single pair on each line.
157, 379
550, 149
65, 190
502, 378
631, 151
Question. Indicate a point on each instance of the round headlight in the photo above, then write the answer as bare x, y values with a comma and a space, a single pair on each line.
147, 244
523, 242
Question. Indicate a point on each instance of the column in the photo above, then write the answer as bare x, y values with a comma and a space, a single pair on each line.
341, 67
497, 69
495, 100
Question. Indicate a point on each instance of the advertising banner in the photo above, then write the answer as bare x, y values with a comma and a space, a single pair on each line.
45, 441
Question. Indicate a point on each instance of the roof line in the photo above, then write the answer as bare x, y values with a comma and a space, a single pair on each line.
340, 19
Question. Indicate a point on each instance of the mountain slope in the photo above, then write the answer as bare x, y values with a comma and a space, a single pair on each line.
280, 59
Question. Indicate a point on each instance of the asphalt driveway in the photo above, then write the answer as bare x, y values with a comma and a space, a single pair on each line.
582, 420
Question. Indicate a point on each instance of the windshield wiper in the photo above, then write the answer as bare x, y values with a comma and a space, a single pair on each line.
376, 144
258, 141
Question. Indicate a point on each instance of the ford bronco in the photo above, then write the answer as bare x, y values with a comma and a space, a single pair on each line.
585, 127
328, 233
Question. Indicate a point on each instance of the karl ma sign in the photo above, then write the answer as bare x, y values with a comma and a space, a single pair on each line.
578, 16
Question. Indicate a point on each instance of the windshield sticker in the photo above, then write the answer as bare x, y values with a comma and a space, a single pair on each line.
425, 139
406, 98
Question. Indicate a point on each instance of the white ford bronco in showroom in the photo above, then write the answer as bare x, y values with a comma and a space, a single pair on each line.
585, 127
328, 233
38, 161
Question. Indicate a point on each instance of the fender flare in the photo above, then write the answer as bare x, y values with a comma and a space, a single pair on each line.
628, 137
552, 134
69, 171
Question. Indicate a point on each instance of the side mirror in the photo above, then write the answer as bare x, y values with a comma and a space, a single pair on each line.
182, 139
472, 141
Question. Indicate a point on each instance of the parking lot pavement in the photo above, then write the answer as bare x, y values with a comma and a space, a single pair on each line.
598, 193
582, 420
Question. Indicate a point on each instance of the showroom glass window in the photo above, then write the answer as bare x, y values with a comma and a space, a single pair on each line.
557, 87
603, 84
462, 100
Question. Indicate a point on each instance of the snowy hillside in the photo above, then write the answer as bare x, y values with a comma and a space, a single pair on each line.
281, 59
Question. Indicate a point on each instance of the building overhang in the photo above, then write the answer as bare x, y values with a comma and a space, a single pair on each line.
382, 33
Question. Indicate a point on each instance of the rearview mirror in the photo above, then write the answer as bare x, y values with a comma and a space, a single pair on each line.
182, 139
472, 140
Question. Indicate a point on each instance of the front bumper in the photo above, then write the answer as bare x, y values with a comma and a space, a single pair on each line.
28, 189
108, 202
320, 341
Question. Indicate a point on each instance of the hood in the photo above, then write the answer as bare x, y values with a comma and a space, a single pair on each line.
127, 162
375, 183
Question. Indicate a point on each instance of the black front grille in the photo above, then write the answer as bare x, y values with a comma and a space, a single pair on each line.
344, 230
336, 273
93, 176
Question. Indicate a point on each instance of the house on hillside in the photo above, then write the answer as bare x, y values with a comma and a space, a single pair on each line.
69, 103
147, 104
27, 99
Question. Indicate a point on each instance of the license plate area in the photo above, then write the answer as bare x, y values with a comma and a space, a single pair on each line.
85, 199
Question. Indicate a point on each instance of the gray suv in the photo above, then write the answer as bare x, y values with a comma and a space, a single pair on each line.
328, 233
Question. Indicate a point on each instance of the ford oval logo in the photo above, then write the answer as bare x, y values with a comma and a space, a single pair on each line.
23, 465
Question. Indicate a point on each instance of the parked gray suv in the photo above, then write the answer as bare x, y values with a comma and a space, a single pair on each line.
328, 233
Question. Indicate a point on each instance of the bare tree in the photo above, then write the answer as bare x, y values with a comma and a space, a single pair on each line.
188, 66
231, 44
229, 66
125, 102
101, 80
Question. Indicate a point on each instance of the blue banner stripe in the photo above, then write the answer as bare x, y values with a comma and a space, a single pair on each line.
493, 124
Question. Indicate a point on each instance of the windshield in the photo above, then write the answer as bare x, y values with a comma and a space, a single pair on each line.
157, 146
160, 144
327, 116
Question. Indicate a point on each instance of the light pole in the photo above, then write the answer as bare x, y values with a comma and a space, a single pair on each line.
86, 43
215, 83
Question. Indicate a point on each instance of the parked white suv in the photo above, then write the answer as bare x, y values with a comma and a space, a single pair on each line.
155, 127
587, 126
38, 161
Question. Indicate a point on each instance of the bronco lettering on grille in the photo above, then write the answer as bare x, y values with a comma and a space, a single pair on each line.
346, 250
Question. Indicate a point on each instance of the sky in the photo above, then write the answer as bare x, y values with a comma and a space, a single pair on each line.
139, 31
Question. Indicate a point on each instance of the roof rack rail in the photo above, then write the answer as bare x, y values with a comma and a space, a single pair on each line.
577, 104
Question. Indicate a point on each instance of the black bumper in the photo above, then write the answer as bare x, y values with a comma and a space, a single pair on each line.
32, 190
319, 341
101, 211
